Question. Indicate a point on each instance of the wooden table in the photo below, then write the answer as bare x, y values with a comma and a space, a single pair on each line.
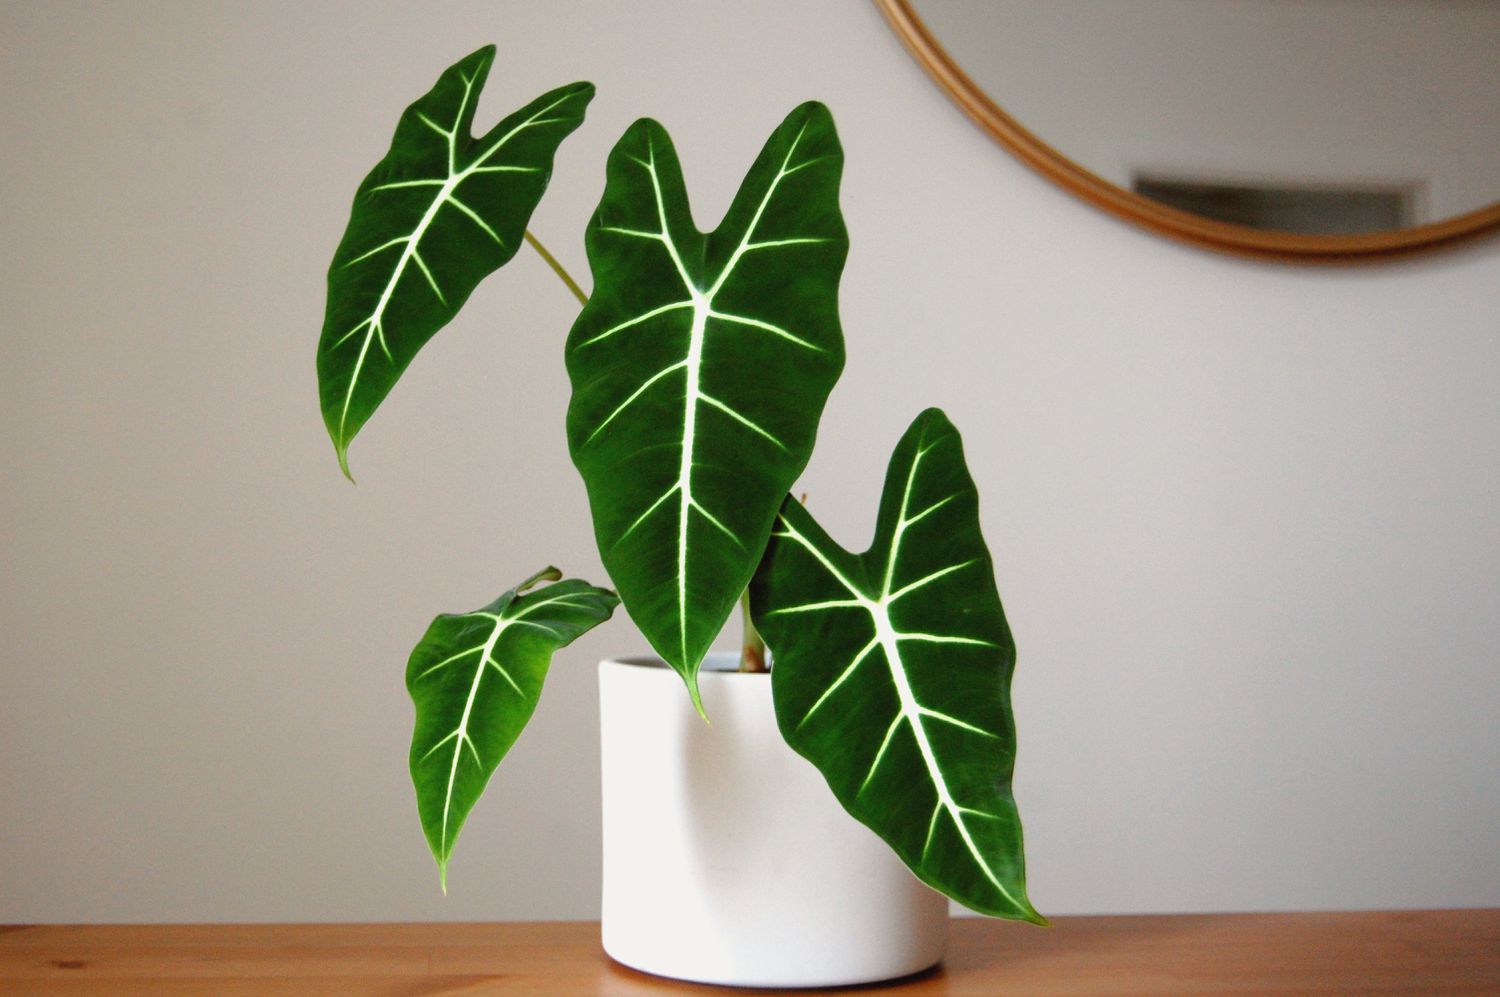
1398, 952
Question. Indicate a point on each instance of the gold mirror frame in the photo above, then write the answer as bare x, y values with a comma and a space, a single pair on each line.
1222, 236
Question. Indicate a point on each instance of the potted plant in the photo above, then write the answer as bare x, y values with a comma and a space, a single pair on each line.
700, 365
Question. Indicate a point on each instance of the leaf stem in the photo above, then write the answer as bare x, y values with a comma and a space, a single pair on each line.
753, 654
557, 268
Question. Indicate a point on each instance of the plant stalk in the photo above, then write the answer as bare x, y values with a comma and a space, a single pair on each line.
557, 268
753, 654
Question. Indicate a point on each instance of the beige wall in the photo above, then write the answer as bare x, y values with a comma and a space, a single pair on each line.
1244, 514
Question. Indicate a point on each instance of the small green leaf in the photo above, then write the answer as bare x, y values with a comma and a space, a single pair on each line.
475, 679
437, 215
892, 672
700, 368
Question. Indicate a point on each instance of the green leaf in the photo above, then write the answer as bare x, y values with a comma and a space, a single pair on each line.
891, 672
475, 678
437, 215
700, 368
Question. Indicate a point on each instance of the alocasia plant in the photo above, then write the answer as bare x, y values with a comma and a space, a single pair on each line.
700, 367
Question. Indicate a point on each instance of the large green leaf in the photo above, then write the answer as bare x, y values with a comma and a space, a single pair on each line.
891, 672
700, 368
475, 678
436, 216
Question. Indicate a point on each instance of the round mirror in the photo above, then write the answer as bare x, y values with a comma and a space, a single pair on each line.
1311, 129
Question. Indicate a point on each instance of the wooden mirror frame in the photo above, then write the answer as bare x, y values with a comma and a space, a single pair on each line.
1181, 225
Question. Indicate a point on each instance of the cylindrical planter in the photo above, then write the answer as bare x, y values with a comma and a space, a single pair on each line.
726, 857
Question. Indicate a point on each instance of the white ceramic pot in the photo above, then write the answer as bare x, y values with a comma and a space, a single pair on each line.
726, 857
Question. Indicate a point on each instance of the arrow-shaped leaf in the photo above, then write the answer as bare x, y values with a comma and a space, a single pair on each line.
475, 678
891, 672
700, 368
438, 214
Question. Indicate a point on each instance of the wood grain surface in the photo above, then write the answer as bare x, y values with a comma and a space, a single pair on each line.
1378, 953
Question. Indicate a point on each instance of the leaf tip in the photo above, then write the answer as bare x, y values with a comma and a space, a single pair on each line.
697, 697
811, 109
934, 417
548, 574
342, 448
483, 55
1017, 907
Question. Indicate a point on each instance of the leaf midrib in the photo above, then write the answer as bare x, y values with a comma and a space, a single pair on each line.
487, 650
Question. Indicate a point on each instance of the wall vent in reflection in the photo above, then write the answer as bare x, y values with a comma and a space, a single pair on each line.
1311, 210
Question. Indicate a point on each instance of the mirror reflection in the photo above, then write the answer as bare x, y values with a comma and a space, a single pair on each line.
1328, 117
